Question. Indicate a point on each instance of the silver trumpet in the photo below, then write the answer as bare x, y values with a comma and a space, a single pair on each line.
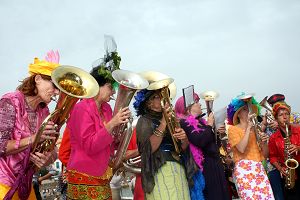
264, 103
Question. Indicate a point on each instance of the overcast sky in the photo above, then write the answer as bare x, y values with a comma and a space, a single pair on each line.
226, 46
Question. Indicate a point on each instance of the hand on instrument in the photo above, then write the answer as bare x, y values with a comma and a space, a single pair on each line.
293, 149
211, 119
168, 112
282, 171
273, 125
263, 137
121, 117
180, 134
250, 120
49, 133
43, 159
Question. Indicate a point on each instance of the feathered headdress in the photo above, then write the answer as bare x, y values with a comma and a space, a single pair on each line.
46, 66
110, 62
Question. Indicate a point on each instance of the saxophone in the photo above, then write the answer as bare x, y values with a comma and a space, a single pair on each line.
290, 162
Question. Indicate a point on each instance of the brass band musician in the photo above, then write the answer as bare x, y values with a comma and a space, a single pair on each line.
278, 149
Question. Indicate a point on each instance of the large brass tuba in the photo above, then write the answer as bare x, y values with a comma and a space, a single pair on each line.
290, 162
129, 83
73, 83
172, 121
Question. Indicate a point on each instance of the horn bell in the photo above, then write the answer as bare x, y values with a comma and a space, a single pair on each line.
209, 95
153, 76
74, 82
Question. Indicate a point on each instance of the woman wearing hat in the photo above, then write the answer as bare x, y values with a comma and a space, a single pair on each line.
90, 125
163, 174
21, 114
249, 174
205, 151
281, 112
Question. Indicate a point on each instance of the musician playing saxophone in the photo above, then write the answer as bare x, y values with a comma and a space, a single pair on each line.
281, 112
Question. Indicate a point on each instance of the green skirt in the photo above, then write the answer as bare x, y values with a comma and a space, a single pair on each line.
170, 183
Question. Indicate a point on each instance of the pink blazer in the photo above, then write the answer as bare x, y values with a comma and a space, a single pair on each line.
90, 141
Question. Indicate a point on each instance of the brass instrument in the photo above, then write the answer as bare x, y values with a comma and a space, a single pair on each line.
133, 165
264, 103
257, 128
290, 162
172, 121
209, 97
129, 83
73, 83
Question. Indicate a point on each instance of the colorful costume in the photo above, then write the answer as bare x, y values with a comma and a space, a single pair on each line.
163, 176
277, 150
202, 136
88, 171
249, 174
17, 121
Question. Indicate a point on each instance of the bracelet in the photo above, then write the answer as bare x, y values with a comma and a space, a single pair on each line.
161, 132
158, 134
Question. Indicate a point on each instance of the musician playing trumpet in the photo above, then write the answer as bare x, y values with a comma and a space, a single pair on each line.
204, 149
249, 174
278, 149
161, 168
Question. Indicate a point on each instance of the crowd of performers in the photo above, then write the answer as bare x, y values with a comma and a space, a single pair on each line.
250, 156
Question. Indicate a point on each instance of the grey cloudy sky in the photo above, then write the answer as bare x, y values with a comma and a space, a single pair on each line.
227, 46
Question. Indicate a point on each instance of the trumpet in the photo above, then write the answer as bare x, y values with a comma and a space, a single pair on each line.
257, 127
172, 121
209, 97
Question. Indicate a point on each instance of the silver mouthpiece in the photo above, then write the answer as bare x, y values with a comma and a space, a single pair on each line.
54, 98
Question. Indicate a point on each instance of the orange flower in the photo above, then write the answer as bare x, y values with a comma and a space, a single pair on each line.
250, 177
247, 186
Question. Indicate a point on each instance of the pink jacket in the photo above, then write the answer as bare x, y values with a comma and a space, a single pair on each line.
10, 165
90, 141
